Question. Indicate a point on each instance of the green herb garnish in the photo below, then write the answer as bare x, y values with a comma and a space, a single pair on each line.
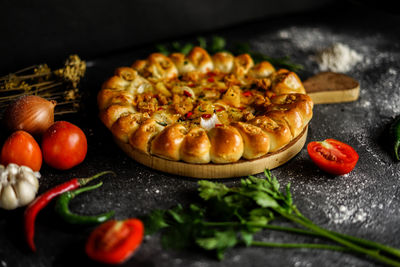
226, 217
162, 123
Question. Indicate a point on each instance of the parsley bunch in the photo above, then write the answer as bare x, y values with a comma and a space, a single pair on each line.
227, 217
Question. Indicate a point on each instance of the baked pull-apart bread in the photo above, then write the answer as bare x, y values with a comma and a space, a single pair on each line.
200, 108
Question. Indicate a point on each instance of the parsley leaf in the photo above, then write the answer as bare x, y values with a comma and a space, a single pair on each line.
227, 217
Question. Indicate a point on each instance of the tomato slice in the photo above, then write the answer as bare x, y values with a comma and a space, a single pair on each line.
113, 242
333, 156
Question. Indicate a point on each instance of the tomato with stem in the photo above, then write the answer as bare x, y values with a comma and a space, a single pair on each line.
333, 156
22, 149
113, 242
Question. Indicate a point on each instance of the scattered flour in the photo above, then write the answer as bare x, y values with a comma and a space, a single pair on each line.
338, 58
346, 214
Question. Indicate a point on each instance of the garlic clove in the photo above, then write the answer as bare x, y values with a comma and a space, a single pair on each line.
30, 178
26, 192
8, 198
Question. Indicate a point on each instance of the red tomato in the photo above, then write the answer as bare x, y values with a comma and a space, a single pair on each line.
333, 156
64, 145
22, 149
114, 241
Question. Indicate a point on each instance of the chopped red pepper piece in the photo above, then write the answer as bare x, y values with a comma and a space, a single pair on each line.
186, 93
211, 80
160, 108
206, 116
113, 242
191, 85
219, 110
248, 93
211, 74
218, 125
189, 114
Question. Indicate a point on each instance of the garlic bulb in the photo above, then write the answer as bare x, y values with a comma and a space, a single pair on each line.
18, 186
210, 123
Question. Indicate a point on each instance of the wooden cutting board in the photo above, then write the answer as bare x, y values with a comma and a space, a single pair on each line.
327, 87
331, 87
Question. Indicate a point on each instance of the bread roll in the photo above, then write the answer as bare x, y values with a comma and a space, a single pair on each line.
278, 131
113, 113
141, 138
223, 62
256, 141
226, 144
196, 146
167, 144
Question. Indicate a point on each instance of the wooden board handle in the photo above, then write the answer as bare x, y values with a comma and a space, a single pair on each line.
331, 87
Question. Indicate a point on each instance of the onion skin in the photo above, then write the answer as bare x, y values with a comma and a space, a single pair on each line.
30, 113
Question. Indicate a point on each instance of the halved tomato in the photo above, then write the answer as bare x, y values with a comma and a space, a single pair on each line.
333, 156
113, 242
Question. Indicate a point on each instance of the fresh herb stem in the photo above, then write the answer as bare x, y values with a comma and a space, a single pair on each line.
299, 245
374, 253
227, 216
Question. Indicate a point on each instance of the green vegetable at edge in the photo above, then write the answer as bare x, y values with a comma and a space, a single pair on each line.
395, 128
63, 210
226, 217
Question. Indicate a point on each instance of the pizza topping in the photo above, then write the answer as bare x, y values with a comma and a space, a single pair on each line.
187, 93
209, 122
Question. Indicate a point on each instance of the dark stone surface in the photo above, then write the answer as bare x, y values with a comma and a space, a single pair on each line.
364, 203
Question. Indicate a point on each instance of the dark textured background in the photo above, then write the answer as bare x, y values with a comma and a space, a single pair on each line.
364, 203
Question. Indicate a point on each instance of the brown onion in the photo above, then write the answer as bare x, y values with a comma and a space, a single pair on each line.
30, 113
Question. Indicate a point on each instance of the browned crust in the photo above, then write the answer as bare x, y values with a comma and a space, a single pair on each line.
256, 142
226, 144
285, 113
196, 146
286, 82
223, 62
141, 138
278, 131
167, 144
113, 113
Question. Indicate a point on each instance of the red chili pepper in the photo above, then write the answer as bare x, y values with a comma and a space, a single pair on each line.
248, 93
41, 201
219, 110
189, 114
206, 116
218, 124
211, 80
186, 93
211, 74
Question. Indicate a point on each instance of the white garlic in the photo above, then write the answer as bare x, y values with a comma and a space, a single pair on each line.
210, 123
18, 186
